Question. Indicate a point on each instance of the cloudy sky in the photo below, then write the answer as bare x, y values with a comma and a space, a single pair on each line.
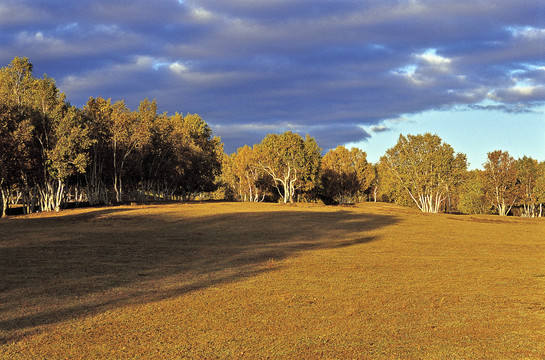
350, 72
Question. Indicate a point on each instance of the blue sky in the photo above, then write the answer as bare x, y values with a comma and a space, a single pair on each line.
346, 72
473, 132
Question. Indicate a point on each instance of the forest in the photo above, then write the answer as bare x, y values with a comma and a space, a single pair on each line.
55, 155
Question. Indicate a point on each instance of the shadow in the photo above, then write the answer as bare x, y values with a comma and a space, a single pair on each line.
69, 266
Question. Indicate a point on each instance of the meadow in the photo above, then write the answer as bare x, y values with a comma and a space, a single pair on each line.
240, 280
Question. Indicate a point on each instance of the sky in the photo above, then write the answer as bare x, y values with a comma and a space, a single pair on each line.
347, 72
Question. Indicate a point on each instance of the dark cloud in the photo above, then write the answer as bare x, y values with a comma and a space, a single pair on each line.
322, 67
329, 137
511, 108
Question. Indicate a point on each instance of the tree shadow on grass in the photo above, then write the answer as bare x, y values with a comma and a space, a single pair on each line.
64, 267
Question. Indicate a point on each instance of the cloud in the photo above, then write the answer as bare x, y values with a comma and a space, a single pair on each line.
337, 70
15, 13
327, 136
519, 94
379, 128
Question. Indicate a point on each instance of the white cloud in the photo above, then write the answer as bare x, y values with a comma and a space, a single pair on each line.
518, 93
37, 38
202, 14
178, 68
427, 67
430, 56
528, 32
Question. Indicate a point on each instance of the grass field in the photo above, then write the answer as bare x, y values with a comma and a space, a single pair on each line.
231, 280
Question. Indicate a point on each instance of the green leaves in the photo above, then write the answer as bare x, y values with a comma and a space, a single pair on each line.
500, 181
426, 168
346, 174
291, 162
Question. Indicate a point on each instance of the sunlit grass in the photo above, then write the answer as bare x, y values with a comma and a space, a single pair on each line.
266, 280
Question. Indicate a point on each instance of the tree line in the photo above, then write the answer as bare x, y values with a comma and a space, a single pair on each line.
420, 170
53, 154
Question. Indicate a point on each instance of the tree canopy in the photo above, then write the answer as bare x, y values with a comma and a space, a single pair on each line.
426, 168
346, 175
290, 161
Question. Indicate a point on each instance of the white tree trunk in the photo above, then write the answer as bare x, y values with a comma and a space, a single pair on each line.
51, 195
5, 196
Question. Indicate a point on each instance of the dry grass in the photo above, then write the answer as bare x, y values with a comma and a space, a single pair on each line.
222, 280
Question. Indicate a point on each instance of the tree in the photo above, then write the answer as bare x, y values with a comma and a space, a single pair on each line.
247, 174
130, 131
472, 197
22, 167
500, 181
426, 168
310, 181
539, 189
199, 155
17, 82
67, 155
159, 161
63, 140
527, 177
46, 145
98, 114
59, 139
374, 181
346, 174
15, 141
291, 162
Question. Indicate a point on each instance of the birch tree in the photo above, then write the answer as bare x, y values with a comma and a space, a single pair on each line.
247, 175
539, 189
15, 142
500, 180
426, 168
69, 154
58, 132
528, 172
472, 197
291, 162
98, 113
130, 131
346, 174
198, 155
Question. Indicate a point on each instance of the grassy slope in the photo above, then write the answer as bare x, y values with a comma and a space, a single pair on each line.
266, 280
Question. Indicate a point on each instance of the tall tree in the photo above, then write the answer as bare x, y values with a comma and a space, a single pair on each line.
64, 142
472, 196
17, 82
130, 131
199, 154
426, 168
247, 174
291, 162
59, 136
310, 181
98, 113
528, 172
539, 189
346, 174
500, 180
15, 142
